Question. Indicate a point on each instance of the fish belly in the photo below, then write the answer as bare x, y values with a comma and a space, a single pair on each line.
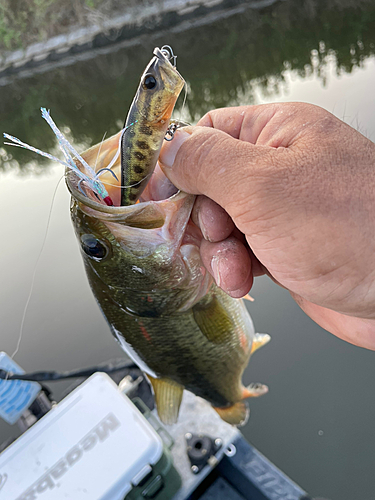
204, 349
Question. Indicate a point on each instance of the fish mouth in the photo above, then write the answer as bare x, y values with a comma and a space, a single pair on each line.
158, 188
159, 198
105, 154
161, 204
162, 208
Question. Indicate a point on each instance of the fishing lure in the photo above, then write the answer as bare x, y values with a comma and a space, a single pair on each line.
90, 178
151, 110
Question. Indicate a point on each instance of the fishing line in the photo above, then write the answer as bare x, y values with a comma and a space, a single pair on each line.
117, 154
20, 336
184, 101
100, 148
53, 376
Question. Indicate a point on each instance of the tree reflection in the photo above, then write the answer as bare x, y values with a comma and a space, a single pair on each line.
223, 62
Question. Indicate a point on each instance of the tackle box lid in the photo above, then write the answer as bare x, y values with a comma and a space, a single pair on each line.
95, 444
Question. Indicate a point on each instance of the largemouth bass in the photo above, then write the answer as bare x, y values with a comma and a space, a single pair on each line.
144, 268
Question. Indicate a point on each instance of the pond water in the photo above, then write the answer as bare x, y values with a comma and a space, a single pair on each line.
317, 422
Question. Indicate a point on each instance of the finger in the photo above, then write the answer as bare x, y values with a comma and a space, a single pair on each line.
236, 143
202, 160
275, 125
212, 219
243, 122
229, 263
257, 268
159, 186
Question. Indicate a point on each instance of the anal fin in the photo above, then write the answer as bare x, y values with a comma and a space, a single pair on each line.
168, 397
259, 340
254, 390
237, 414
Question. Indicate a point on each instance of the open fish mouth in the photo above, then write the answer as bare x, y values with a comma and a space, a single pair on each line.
158, 187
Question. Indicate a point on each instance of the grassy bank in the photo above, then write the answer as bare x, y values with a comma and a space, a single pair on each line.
23, 22
27, 21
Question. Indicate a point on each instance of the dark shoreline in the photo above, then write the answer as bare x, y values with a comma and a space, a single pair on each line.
126, 29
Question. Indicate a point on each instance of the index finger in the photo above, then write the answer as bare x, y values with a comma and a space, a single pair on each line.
242, 122
275, 125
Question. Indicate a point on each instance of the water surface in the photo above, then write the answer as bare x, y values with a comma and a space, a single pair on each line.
316, 423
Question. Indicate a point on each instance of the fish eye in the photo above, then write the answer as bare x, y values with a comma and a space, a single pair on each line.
93, 247
149, 82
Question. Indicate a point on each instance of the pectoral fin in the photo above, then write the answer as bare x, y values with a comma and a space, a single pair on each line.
213, 320
260, 339
237, 414
168, 397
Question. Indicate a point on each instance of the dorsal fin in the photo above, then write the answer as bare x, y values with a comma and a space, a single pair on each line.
168, 397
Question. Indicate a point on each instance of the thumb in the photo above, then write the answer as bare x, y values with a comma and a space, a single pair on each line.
208, 161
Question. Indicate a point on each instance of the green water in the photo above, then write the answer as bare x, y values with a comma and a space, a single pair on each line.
317, 422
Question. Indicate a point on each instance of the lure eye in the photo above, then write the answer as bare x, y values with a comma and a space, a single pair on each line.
93, 247
149, 82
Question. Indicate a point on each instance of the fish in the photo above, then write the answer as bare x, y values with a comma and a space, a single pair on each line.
141, 256
149, 115
145, 271
144, 268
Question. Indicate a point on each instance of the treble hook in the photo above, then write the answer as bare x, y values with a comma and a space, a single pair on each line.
99, 173
168, 52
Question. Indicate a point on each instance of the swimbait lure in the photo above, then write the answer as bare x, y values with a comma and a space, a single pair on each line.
150, 112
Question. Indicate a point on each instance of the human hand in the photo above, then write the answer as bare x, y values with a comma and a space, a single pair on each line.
287, 190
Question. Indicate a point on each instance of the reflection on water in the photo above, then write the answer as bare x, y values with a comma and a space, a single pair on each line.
317, 421
222, 62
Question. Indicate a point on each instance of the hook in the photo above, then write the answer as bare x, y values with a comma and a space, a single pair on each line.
99, 172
